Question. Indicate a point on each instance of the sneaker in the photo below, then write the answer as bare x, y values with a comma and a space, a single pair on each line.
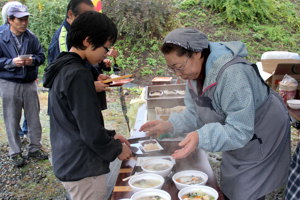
39, 155
17, 160
24, 139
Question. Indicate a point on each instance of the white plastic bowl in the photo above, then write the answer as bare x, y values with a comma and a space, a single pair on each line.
146, 176
205, 189
150, 192
157, 161
294, 103
201, 174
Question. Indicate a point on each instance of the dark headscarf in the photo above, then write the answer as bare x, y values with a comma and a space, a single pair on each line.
188, 38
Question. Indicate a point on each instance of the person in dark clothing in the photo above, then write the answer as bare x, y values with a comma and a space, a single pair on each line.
81, 146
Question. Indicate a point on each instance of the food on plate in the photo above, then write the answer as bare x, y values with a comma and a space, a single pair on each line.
156, 93
146, 183
197, 195
180, 92
153, 197
157, 166
150, 145
170, 92
189, 180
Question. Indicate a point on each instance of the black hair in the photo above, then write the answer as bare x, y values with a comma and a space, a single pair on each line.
95, 26
74, 5
11, 17
180, 51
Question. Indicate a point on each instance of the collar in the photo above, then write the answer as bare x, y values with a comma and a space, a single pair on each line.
66, 25
7, 34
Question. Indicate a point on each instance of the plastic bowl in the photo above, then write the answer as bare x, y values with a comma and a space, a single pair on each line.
155, 164
150, 192
205, 189
146, 177
196, 173
294, 103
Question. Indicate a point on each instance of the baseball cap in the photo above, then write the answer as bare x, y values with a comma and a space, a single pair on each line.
18, 11
188, 38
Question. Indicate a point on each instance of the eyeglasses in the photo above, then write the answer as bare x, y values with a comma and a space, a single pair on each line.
106, 49
178, 69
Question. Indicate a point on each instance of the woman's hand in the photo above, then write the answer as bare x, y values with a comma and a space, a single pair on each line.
188, 146
156, 127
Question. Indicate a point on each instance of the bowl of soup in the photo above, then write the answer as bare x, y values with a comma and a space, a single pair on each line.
187, 178
161, 166
198, 192
146, 181
151, 194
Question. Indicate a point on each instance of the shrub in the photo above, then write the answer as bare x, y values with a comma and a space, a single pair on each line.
138, 19
261, 11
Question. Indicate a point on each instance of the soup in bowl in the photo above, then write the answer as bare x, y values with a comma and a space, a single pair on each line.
161, 166
144, 181
151, 194
189, 177
198, 192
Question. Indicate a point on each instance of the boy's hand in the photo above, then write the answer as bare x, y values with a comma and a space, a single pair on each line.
107, 62
113, 53
122, 139
126, 152
100, 87
102, 77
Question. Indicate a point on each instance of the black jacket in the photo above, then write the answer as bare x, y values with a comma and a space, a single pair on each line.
81, 146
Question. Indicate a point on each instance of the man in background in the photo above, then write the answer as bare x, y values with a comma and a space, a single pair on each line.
20, 56
23, 130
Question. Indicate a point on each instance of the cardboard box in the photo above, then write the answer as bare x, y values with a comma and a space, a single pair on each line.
292, 69
270, 65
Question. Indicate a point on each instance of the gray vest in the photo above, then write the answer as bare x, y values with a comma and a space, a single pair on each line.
262, 165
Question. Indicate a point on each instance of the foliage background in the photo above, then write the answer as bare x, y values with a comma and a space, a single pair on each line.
264, 25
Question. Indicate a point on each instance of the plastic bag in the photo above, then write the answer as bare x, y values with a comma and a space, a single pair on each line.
288, 87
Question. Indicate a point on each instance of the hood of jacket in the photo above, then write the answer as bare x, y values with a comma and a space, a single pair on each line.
223, 52
63, 60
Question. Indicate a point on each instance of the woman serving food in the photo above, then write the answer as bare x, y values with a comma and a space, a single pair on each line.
229, 109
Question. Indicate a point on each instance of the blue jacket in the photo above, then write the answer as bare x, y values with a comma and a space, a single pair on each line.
58, 42
8, 52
